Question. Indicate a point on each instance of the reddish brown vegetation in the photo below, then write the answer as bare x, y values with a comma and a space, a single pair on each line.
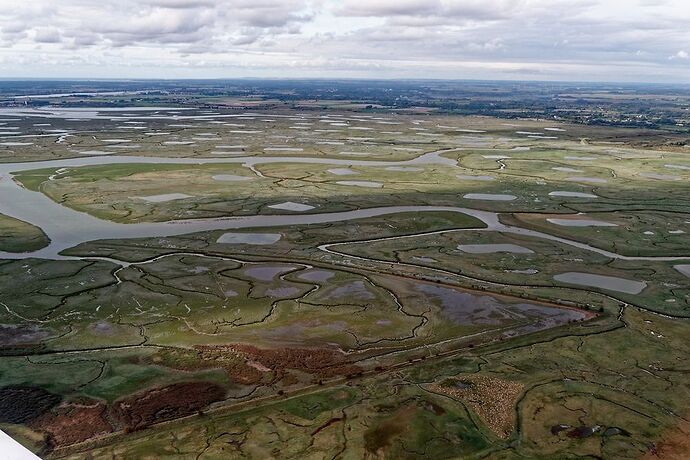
249, 365
675, 444
321, 362
74, 422
165, 403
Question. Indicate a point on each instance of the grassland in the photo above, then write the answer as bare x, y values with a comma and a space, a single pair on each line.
20, 236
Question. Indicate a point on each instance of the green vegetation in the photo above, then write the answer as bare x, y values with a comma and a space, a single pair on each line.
20, 236
428, 334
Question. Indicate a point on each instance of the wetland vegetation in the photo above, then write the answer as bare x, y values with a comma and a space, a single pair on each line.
199, 277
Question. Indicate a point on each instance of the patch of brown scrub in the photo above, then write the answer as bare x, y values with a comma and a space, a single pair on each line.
74, 422
675, 445
492, 399
165, 403
321, 362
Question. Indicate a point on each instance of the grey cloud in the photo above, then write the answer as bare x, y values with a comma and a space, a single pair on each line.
553, 38
47, 35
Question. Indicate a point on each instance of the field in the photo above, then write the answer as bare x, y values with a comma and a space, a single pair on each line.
342, 282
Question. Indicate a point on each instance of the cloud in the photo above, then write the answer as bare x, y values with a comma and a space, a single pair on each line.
567, 39
680, 55
47, 35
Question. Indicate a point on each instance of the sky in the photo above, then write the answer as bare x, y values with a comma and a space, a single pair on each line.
573, 40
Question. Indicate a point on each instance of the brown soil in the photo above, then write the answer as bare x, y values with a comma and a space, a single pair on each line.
165, 403
74, 422
23, 404
492, 399
674, 446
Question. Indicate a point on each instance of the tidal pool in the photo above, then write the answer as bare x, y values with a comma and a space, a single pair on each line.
581, 223
267, 272
494, 248
480, 178
469, 308
572, 194
290, 206
249, 238
352, 290
564, 169
684, 269
165, 197
611, 283
360, 183
678, 167
283, 149
580, 158
489, 197
659, 176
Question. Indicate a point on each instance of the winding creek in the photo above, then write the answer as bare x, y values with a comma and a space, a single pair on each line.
67, 228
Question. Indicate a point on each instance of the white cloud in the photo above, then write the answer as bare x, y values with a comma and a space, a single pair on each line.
551, 39
680, 55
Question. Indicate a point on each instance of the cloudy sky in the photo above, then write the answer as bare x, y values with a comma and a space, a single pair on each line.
612, 40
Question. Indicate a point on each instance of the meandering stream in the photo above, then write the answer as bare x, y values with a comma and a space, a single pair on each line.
67, 228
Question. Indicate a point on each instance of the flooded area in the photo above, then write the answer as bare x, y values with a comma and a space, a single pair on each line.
479, 178
360, 183
610, 283
464, 307
578, 158
489, 197
268, 272
581, 222
291, 206
659, 176
566, 194
684, 269
591, 180
356, 290
682, 167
